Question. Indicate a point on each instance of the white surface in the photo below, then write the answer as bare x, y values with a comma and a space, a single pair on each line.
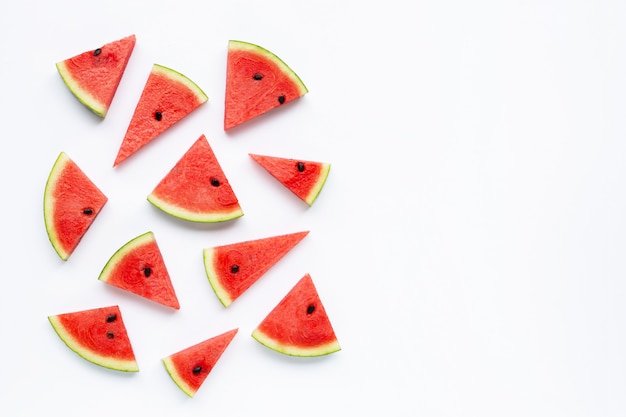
468, 244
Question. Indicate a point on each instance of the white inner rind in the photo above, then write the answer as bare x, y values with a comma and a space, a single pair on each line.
177, 76
324, 171
49, 203
173, 372
122, 252
81, 94
220, 291
320, 350
193, 216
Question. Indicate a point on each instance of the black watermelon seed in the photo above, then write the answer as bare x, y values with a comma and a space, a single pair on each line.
215, 182
310, 309
234, 269
147, 271
88, 211
158, 115
257, 76
281, 99
197, 370
110, 335
111, 318
97, 52
301, 166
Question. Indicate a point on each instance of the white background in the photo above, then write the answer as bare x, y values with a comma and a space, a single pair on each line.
468, 244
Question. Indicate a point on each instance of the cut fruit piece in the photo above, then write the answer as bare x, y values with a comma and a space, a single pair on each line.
233, 268
71, 203
303, 178
196, 188
98, 335
190, 367
93, 76
167, 97
138, 267
298, 325
257, 81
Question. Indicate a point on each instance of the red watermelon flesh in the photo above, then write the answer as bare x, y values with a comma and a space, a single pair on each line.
298, 325
93, 76
196, 188
138, 267
71, 204
233, 268
303, 178
257, 81
168, 96
190, 367
98, 335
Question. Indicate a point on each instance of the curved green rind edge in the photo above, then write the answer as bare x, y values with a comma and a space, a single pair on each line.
175, 75
75, 345
122, 252
211, 274
53, 177
171, 370
242, 45
319, 184
81, 94
184, 214
292, 350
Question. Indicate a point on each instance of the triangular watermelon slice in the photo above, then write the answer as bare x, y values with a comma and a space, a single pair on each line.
196, 188
93, 76
298, 325
257, 81
190, 367
98, 335
138, 267
303, 178
167, 97
71, 204
233, 268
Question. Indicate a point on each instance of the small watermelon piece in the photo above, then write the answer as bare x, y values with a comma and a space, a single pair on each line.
138, 267
196, 188
233, 268
298, 325
93, 76
303, 178
190, 367
257, 81
168, 96
71, 204
98, 335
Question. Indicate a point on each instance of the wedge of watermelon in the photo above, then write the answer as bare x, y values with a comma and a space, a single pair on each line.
298, 325
233, 268
257, 81
168, 96
303, 178
190, 367
196, 188
93, 76
98, 335
138, 267
71, 203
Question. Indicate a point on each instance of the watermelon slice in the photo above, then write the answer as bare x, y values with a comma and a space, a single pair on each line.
190, 367
93, 76
71, 204
233, 268
98, 335
196, 188
138, 267
303, 178
257, 81
167, 97
298, 325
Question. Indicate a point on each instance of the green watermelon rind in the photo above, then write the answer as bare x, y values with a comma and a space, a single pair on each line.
48, 203
286, 69
176, 377
181, 213
121, 253
76, 346
181, 78
292, 350
315, 191
81, 94
211, 273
